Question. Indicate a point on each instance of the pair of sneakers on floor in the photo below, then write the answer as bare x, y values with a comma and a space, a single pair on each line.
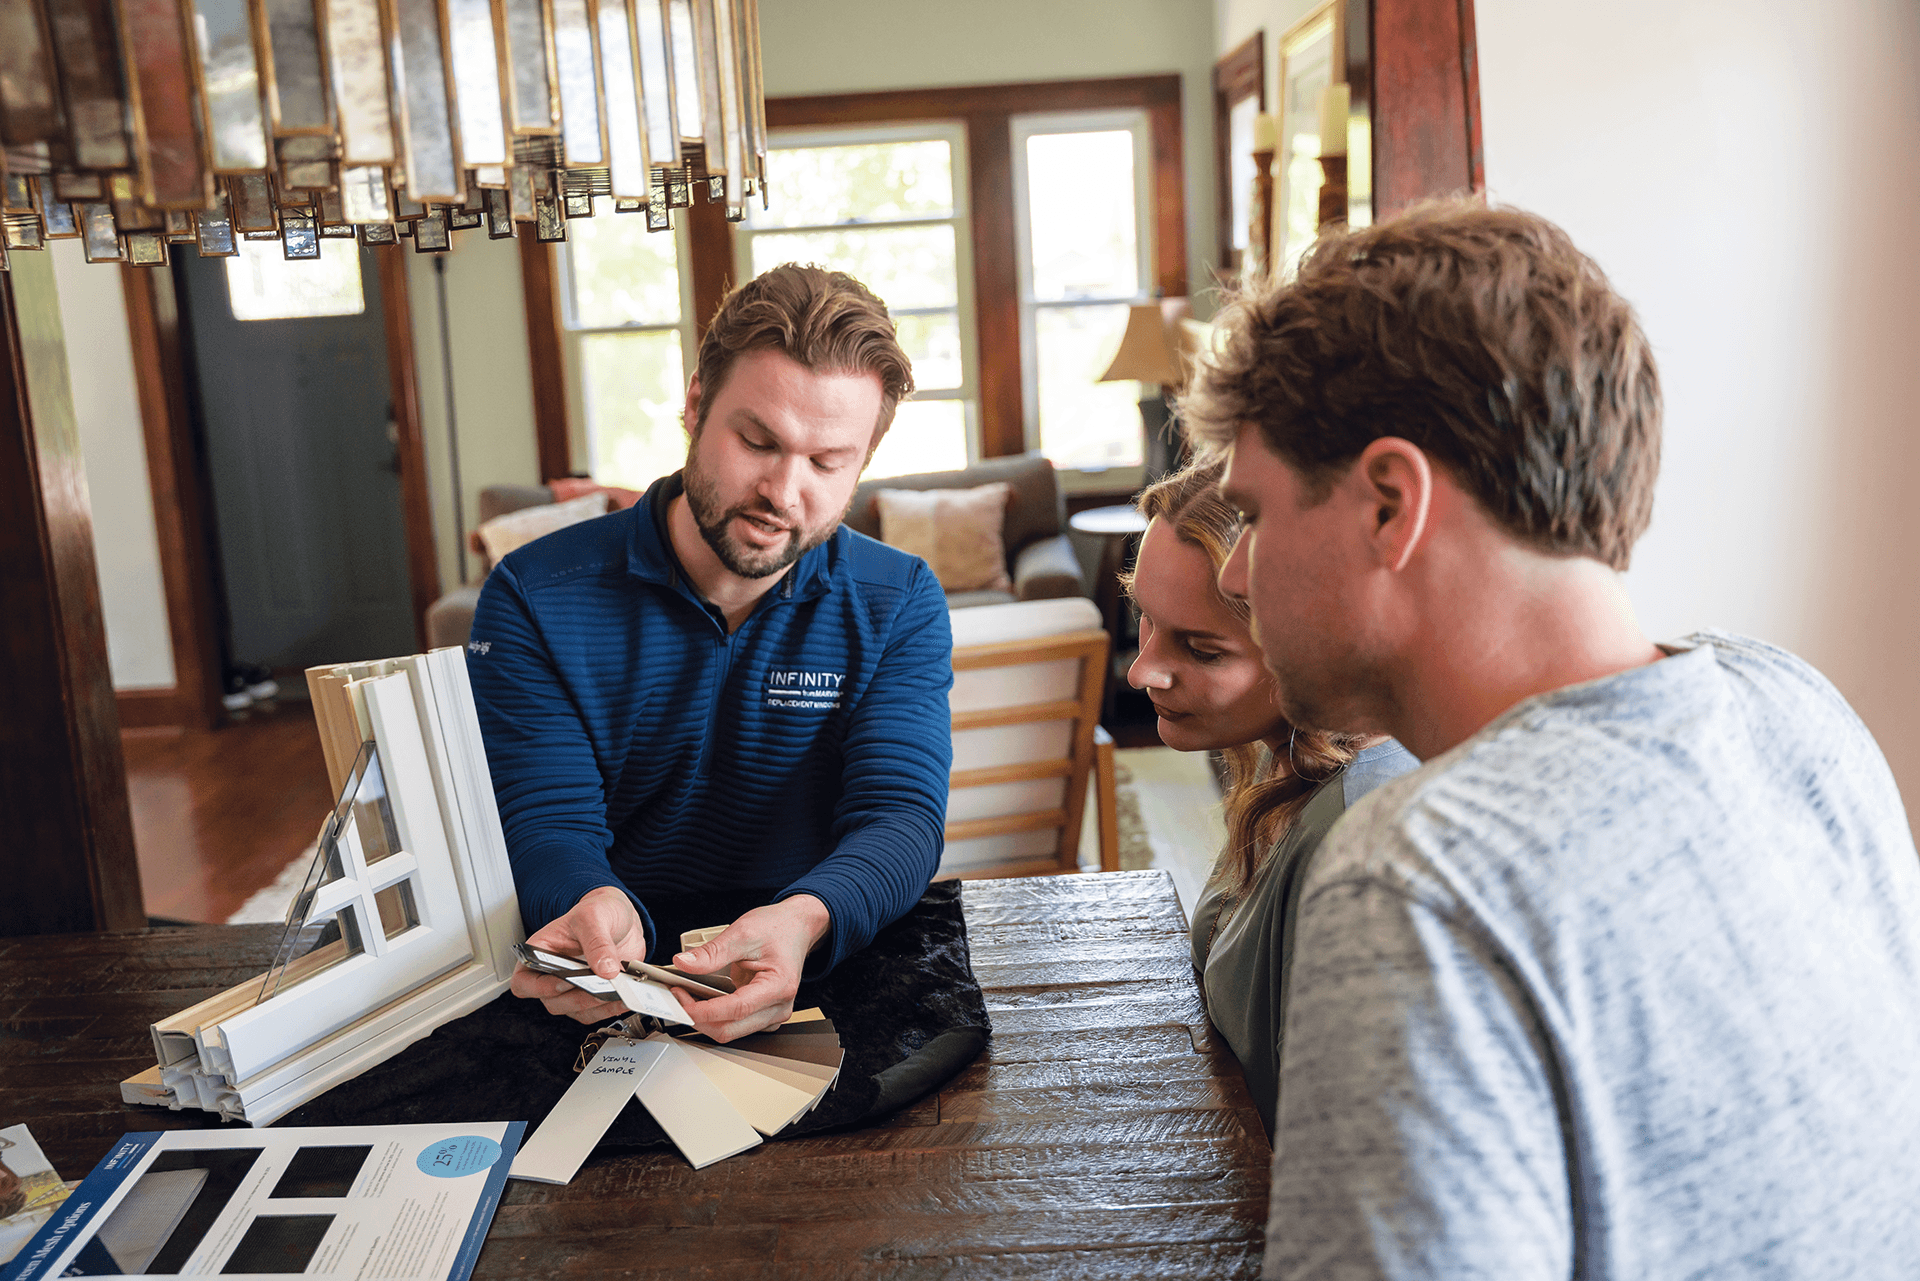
248, 684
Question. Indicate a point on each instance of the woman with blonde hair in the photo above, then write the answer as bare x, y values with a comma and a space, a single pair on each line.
1286, 787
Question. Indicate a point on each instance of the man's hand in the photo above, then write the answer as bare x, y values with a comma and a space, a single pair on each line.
604, 928
762, 952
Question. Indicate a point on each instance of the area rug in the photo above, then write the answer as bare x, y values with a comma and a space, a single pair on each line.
269, 906
1136, 851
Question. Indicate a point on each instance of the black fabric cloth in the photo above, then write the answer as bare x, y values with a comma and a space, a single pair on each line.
908, 1010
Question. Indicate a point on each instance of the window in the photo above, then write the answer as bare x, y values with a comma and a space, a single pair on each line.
263, 285
626, 309
888, 207
1007, 227
1084, 255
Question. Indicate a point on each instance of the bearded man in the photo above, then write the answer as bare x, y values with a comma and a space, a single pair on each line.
720, 694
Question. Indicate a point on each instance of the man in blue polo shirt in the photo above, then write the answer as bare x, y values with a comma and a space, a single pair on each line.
722, 689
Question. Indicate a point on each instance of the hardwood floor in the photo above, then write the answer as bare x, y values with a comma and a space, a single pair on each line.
218, 813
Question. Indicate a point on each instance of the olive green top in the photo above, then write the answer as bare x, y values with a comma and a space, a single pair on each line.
1236, 944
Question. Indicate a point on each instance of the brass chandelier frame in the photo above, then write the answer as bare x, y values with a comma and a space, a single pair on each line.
137, 125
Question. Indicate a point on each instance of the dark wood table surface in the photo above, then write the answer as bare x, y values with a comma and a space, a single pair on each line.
1104, 1132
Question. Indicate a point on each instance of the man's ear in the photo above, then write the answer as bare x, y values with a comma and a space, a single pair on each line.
1397, 485
690, 417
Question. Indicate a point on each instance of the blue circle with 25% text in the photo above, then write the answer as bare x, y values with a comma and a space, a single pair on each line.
457, 1157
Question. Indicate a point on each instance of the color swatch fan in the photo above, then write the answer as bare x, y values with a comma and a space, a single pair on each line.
713, 1100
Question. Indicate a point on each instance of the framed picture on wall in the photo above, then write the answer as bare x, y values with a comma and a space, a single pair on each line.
1309, 63
1239, 95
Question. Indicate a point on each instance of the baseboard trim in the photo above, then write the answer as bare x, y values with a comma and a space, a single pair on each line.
152, 708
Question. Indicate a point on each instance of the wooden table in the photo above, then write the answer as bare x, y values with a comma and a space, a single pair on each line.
1104, 1133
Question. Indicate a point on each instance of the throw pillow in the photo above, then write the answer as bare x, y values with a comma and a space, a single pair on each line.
956, 531
566, 488
505, 533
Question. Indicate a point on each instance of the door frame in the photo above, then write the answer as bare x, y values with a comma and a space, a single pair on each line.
182, 496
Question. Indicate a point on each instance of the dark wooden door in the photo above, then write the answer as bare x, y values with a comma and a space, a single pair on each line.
304, 471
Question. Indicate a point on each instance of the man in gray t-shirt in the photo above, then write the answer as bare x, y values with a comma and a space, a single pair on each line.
1624, 981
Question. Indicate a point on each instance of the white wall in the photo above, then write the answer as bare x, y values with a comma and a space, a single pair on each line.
1748, 171
106, 407
492, 380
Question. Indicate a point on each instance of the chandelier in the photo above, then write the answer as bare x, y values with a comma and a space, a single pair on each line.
136, 125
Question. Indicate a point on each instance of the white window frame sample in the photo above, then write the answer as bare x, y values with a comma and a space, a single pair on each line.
256, 1059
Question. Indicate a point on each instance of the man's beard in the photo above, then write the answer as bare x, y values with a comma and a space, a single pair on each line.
703, 501
1331, 693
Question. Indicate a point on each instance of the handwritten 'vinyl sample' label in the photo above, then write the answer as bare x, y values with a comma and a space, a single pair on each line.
581, 1117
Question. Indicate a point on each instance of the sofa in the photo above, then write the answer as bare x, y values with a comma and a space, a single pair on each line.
1040, 559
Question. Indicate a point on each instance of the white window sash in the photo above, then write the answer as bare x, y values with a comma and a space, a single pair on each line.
954, 134
1134, 121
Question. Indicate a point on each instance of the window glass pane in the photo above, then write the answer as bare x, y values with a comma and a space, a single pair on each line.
927, 435
932, 343
1084, 423
620, 273
373, 814
880, 181
313, 947
635, 390
263, 285
1240, 119
1303, 178
905, 266
1080, 193
397, 911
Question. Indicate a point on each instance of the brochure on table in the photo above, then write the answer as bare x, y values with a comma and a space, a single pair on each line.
30, 1191
391, 1201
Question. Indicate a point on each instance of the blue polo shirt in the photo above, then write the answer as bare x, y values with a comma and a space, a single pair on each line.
635, 743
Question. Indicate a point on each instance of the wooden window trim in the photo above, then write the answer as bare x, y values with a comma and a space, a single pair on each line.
1419, 65
546, 360
68, 861
1237, 76
416, 502
179, 511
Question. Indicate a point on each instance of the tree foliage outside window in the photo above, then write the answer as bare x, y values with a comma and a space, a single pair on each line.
624, 310
882, 206
1083, 261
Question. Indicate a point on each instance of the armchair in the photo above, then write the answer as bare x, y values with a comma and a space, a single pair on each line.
1027, 682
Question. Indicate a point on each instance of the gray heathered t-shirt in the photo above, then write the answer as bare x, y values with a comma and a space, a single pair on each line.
1238, 956
1625, 985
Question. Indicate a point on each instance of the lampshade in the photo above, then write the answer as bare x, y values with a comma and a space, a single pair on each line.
1149, 350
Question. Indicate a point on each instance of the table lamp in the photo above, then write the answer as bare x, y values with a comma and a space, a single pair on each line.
1150, 352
